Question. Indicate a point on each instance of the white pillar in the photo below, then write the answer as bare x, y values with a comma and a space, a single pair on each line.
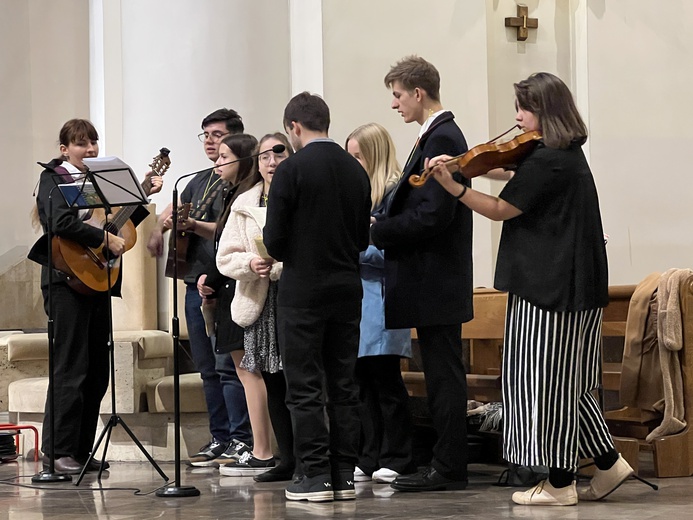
305, 22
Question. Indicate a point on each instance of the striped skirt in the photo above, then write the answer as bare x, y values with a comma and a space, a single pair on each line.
551, 365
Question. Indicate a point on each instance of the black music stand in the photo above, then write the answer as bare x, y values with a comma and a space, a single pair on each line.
108, 182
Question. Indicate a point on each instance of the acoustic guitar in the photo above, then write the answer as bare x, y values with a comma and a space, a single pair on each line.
182, 241
87, 267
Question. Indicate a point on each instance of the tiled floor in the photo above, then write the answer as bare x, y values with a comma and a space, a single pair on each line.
127, 492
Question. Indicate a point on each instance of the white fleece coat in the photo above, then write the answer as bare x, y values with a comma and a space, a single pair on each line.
236, 249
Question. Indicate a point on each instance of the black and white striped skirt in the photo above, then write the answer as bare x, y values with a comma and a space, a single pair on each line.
551, 365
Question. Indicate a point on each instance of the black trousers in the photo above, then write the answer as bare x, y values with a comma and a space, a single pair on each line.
446, 387
81, 370
280, 417
319, 347
386, 426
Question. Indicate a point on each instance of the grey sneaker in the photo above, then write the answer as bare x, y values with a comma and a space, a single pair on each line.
208, 454
233, 453
313, 489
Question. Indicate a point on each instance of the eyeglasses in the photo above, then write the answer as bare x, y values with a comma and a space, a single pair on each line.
215, 136
265, 158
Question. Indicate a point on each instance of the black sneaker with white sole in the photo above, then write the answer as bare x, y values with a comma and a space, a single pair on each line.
208, 454
234, 452
312, 489
343, 484
247, 466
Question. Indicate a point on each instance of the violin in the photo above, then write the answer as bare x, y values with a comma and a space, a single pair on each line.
488, 156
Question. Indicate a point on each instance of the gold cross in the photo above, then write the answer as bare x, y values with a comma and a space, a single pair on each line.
522, 22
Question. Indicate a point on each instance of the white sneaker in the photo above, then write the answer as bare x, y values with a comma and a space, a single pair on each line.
544, 494
605, 482
360, 476
384, 475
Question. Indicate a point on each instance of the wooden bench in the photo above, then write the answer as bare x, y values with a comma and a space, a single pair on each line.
483, 342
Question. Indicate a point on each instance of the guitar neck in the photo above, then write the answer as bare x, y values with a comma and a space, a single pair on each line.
122, 216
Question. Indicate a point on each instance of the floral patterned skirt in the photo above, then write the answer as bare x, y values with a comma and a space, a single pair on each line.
260, 338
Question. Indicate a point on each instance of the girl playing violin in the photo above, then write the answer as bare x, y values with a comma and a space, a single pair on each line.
552, 262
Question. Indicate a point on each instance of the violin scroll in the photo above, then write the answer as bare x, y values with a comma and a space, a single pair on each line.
419, 180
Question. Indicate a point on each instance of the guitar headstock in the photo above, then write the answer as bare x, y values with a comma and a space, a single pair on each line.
161, 162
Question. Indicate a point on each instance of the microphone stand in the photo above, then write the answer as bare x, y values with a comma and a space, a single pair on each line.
50, 475
176, 490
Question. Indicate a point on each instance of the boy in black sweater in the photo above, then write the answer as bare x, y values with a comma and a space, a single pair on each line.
318, 217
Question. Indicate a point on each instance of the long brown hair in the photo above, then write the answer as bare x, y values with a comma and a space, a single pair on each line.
550, 100
242, 146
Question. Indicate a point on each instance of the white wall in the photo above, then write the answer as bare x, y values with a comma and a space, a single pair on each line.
182, 60
509, 61
167, 63
640, 78
363, 39
44, 71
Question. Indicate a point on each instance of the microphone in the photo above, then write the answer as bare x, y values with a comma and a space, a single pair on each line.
277, 148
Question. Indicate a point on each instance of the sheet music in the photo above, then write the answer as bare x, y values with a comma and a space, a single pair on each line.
116, 180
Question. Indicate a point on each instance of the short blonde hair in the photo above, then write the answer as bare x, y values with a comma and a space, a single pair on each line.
379, 157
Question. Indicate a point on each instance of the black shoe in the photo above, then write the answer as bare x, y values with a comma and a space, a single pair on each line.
343, 484
427, 480
313, 489
95, 465
66, 465
276, 474
208, 453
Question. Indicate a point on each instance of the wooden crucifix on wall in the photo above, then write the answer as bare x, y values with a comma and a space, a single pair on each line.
523, 22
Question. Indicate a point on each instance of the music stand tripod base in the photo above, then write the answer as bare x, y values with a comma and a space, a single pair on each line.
178, 491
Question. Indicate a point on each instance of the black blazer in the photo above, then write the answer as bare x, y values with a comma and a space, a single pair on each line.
427, 237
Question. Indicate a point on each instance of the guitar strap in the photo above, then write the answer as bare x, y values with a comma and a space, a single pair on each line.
200, 211
63, 173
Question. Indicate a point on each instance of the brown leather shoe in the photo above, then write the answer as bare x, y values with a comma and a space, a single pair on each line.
66, 465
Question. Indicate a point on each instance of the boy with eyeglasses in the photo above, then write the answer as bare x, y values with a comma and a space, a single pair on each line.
224, 395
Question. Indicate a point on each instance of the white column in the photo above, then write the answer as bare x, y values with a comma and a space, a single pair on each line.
305, 29
106, 74
579, 56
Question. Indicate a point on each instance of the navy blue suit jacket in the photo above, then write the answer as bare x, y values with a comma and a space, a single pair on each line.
427, 237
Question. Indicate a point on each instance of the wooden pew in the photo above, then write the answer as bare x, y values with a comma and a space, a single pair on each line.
483, 337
